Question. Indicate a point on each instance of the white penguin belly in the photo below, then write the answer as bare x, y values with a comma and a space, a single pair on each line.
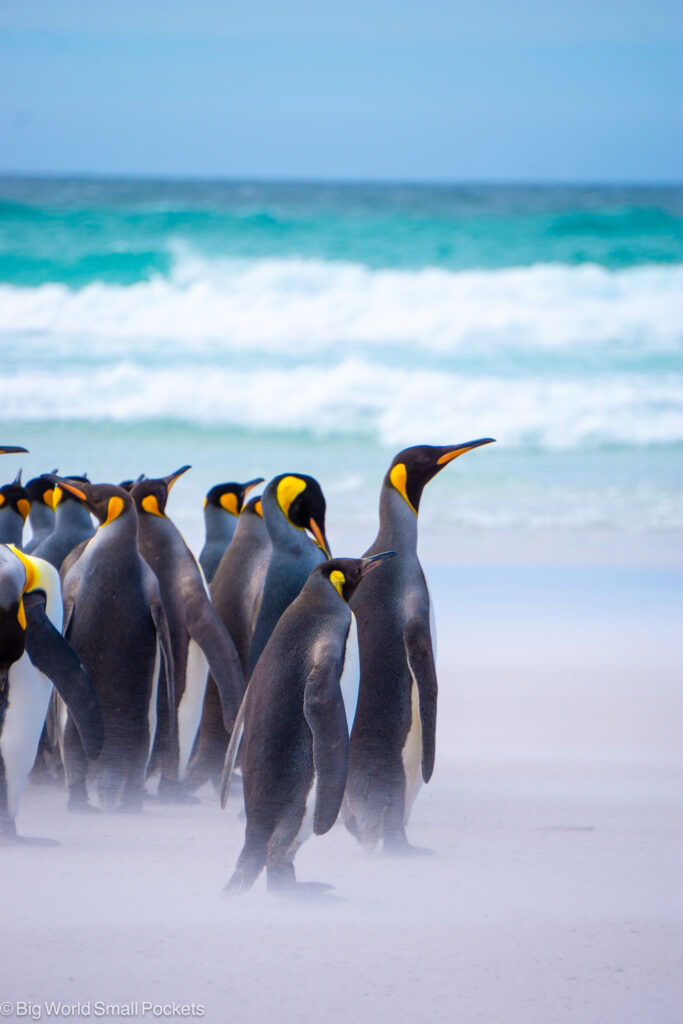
349, 680
152, 708
306, 826
412, 753
191, 704
29, 697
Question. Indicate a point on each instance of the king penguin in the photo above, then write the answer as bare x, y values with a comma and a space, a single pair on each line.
34, 656
236, 592
222, 506
294, 724
393, 739
198, 638
14, 508
292, 505
73, 523
40, 492
114, 619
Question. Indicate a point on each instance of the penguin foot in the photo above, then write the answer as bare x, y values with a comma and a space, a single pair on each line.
17, 840
405, 850
171, 792
78, 800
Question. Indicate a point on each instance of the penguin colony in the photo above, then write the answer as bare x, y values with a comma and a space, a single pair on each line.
124, 658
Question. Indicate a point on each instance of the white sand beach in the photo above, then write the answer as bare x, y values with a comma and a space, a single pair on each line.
554, 892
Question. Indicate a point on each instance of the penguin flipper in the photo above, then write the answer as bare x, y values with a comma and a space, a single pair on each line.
231, 753
207, 630
418, 648
326, 717
54, 657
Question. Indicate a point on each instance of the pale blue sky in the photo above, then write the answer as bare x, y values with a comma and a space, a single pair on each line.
438, 90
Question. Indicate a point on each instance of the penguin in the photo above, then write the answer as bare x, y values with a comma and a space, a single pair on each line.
198, 638
292, 504
393, 740
222, 506
294, 725
114, 619
34, 656
40, 493
73, 523
14, 509
236, 592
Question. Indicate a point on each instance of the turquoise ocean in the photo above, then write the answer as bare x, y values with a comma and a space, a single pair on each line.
253, 328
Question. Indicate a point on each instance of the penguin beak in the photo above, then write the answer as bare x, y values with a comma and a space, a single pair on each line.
371, 562
250, 485
320, 538
11, 449
65, 486
453, 452
172, 477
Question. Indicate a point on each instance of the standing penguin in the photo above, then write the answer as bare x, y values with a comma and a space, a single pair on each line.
33, 656
73, 523
14, 508
40, 492
222, 506
294, 724
393, 738
292, 504
198, 638
115, 621
236, 592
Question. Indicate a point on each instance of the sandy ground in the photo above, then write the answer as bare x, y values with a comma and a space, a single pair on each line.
554, 894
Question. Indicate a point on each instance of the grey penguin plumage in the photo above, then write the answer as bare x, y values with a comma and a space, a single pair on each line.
222, 507
73, 523
198, 637
294, 725
14, 509
114, 619
33, 656
293, 509
40, 493
236, 592
392, 745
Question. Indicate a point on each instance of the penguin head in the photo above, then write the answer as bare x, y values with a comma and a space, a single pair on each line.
12, 616
106, 501
253, 507
301, 501
41, 491
413, 468
150, 496
128, 485
14, 496
61, 494
345, 574
230, 497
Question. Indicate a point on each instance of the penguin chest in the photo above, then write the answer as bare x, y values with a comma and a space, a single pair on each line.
191, 703
349, 680
28, 699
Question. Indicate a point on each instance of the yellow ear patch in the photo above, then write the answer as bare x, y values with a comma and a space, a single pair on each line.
338, 579
49, 497
258, 508
114, 509
24, 508
56, 497
2, 499
30, 568
229, 503
151, 505
206, 502
399, 478
287, 490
